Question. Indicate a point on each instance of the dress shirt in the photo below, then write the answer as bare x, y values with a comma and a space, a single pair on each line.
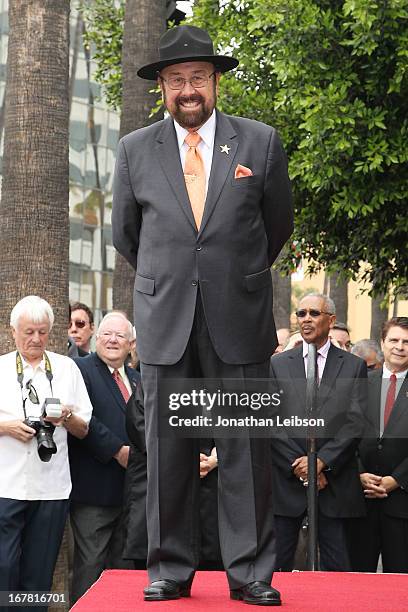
206, 146
125, 379
321, 357
23, 475
385, 383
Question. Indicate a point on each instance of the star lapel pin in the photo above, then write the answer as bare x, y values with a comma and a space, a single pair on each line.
225, 149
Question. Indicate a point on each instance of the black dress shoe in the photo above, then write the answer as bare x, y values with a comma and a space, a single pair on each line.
162, 590
257, 593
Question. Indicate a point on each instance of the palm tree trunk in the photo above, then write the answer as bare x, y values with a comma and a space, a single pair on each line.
34, 221
338, 291
145, 22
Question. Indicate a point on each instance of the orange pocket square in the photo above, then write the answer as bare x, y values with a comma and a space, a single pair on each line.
241, 171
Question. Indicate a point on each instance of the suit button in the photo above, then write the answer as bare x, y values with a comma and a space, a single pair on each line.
199, 247
379, 446
194, 283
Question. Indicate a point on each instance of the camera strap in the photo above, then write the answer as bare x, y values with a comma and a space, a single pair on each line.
20, 376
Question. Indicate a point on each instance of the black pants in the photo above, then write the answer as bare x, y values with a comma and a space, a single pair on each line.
331, 538
246, 525
378, 533
98, 544
30, 538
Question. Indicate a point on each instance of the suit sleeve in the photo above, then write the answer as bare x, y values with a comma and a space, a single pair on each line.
277, 207
126, 212
343, 445
284, 450
101, 442
400, 473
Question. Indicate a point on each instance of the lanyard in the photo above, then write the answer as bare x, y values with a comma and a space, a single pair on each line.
20, 376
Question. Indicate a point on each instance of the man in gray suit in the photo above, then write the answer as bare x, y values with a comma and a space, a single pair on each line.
202, 207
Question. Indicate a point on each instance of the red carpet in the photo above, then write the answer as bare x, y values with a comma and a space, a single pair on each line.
121, 591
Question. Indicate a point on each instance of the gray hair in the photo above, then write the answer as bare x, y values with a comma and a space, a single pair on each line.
119, 313
328, 302
363, 348
34, 308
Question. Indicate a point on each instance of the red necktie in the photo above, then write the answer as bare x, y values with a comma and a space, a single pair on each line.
194, 175
122, 387
389, 402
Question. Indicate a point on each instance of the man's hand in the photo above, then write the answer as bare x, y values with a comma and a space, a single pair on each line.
208, 463
389, 483
58, 421
300, 467
122, 456
372, 486
18, 430
322, 481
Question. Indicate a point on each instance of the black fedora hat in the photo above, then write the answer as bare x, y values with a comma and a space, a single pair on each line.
186, 44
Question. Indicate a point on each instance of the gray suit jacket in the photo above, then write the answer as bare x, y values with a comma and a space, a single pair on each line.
245, 224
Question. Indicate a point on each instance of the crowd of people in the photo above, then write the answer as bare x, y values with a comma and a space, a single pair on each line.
202, 207
99, 436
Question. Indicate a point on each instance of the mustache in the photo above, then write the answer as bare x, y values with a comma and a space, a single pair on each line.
192, 98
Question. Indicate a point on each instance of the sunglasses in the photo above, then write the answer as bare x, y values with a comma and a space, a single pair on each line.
78, 323
314, 313
32, 393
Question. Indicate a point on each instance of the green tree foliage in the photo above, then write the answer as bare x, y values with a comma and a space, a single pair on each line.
331, 75
104, 20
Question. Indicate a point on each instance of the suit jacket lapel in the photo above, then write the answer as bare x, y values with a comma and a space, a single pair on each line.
297, 374
225, 136
374, 401
131, 374
332, 367
110, 383
169, 156
400, 406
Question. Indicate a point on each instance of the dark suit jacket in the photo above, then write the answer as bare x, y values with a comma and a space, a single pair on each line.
245, 224
341, 402
97, 478
387, 455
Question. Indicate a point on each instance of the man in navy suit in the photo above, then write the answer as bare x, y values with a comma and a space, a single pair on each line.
98, 463
383, 454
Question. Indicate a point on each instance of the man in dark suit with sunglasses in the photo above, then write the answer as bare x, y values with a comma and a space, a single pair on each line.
340, 402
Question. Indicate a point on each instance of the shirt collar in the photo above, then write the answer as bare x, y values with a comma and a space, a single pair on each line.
40, 366
387, 373
121, 370
323, 350
206, 131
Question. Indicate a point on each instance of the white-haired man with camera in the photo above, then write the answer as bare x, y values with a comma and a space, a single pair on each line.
43, 398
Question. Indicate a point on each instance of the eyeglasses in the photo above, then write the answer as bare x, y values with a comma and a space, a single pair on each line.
314, 313
78, 323
107, 335
197, 81
32, 393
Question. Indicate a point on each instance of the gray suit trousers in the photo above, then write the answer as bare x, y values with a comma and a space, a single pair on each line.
246, 526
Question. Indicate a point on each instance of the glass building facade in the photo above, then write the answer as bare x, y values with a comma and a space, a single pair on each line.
94, 132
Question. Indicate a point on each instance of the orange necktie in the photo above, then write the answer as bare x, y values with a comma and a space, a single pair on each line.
194, 175
122, 387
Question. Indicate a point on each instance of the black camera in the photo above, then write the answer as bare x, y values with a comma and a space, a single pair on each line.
44, 430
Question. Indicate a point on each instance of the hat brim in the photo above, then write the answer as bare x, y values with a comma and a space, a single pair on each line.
223, 63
